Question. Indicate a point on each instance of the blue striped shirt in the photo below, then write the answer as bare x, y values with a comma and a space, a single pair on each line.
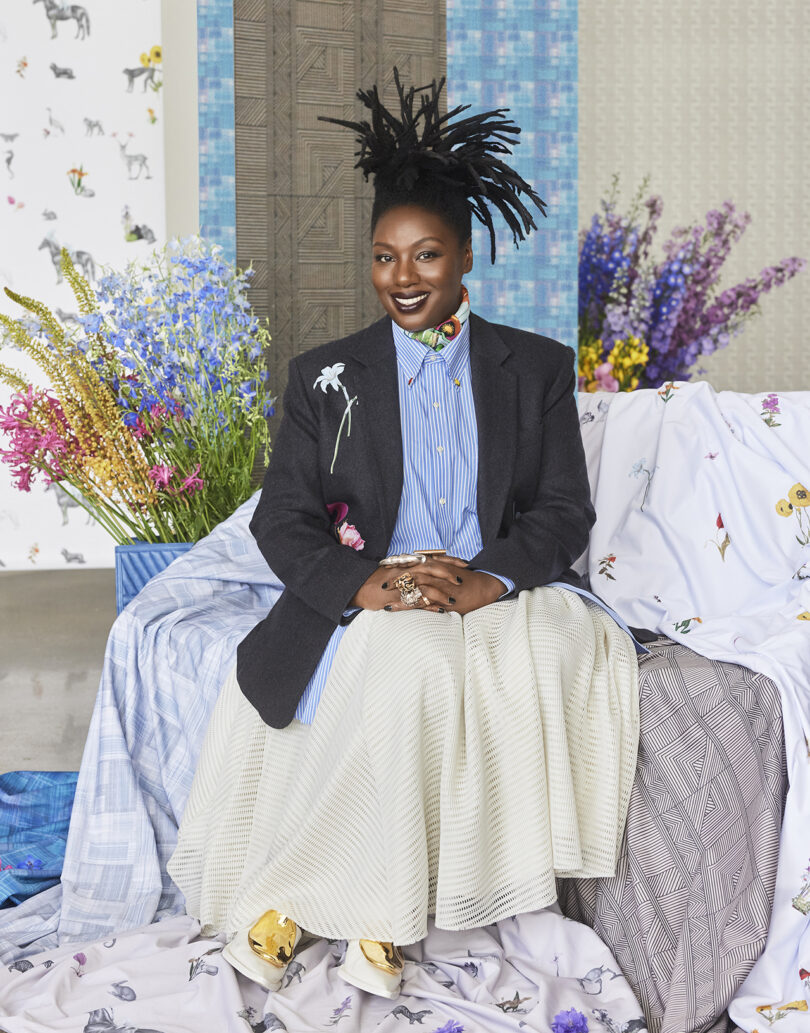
438, 508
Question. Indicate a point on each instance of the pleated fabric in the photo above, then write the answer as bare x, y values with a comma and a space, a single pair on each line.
454, 767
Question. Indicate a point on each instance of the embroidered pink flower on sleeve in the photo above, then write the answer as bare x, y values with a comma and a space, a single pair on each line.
349, 535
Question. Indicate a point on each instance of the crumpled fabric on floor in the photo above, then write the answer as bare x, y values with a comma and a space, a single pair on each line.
539, 971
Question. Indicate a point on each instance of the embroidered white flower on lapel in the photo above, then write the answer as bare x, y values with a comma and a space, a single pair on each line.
330, 377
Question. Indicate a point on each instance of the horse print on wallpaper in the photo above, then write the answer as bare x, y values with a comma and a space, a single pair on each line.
83, 259
56, 12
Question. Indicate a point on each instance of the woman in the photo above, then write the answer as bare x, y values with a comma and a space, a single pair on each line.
473, 713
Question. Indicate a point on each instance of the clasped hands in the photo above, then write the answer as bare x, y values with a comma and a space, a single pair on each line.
446, 582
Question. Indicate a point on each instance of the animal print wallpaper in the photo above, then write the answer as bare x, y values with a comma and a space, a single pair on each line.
81, 166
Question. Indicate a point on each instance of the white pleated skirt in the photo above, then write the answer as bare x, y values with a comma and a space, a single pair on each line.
454, 767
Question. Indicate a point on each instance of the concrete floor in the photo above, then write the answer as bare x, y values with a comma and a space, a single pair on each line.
53, 629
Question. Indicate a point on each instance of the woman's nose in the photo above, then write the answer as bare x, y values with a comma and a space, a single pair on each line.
406, 272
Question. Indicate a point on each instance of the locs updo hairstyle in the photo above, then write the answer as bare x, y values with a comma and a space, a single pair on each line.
455, 170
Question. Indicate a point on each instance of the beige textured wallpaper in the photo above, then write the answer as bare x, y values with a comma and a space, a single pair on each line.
711, 98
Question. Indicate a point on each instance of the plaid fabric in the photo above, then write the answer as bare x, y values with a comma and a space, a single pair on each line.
35, 811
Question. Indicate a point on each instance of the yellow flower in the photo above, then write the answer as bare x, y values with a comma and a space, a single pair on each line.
784, 508
145, 60
799, 495
804, 616
156, 55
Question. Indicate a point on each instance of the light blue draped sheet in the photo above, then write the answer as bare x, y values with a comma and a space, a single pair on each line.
165, 661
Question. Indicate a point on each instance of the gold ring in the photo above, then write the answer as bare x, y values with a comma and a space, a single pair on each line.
409, 591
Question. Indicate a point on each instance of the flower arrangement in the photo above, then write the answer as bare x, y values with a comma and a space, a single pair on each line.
158, 400
644, 321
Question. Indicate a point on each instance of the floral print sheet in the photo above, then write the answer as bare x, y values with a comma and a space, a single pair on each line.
537, 972
703, 514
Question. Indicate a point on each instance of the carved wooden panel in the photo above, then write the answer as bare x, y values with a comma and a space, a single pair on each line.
302, 210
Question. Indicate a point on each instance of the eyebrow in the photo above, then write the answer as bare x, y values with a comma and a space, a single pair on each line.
422, 240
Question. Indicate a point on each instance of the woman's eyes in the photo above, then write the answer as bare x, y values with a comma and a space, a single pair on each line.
422, 254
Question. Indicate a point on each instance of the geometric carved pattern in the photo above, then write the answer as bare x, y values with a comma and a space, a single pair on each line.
302, 209
687, 913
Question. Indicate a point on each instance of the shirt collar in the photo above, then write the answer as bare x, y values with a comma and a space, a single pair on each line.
411, 354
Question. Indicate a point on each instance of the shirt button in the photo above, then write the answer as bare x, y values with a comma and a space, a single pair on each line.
440, 449
435, 405
441, 502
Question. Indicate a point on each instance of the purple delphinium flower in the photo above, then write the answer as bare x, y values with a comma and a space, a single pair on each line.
771, 403
675, 305
572, 1021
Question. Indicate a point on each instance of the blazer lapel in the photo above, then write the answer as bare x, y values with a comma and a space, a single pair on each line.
495, 393
378, 415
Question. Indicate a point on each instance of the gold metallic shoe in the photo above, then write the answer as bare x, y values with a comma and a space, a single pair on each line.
384, 956
374, 966
263, 951
273, 938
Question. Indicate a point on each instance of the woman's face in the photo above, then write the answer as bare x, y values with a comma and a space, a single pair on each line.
417, 266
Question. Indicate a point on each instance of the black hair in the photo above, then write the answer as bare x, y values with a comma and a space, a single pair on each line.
451, 205
451, 169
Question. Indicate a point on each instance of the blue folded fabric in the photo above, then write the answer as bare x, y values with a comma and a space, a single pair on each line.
35, 811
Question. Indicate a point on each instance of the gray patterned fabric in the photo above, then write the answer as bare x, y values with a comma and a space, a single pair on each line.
687, 912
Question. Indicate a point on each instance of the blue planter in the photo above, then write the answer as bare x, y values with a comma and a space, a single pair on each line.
138, 563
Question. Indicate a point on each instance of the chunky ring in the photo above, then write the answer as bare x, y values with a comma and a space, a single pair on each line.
409, 591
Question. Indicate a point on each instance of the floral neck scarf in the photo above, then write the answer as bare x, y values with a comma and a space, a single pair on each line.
438, 337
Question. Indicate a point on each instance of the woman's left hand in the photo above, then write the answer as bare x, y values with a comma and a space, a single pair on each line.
473, 590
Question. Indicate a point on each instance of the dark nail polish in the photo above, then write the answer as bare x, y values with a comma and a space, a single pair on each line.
389, 608
458, 579
442, 610
450, 599
384, 584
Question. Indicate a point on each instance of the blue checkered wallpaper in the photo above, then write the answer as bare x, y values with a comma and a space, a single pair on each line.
522, 54
216, 123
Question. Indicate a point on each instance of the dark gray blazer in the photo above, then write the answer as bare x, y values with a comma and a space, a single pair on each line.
534, 504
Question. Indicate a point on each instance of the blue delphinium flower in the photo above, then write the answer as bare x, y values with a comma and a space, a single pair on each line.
571, 1021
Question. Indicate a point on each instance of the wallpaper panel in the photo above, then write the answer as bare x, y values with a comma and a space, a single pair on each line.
81, 166
711, 99
522, 54
217, 138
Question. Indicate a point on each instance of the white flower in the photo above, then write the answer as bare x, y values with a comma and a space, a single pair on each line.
330, 377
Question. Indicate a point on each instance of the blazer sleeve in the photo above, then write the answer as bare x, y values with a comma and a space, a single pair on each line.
544, 540
291, 524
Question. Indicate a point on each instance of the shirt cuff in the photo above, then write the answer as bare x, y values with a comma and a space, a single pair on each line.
510, 585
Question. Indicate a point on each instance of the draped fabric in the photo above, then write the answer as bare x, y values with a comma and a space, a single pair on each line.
687, 912
35, 811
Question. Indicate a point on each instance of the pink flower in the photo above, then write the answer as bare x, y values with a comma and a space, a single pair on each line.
349, 535
193, 482
604, 377
338, 511
161, 475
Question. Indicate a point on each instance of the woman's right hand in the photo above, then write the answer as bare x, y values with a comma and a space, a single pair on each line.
444, 575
